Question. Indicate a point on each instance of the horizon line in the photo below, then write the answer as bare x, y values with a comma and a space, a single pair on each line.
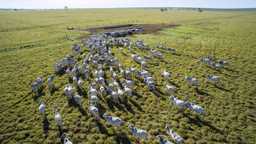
126, 8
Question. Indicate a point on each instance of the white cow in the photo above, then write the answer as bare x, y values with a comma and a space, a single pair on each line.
213, 78
129, 83
102, 91
120, 92
170, 89
92, 91
69, 91
67, 141
80, 83
192, 81
50, 83
127, 91
58, 119
78, 99
42, 108
180, 103
114, 96
115, 121
166, 75
94, 100
177, 138
139, 133
196, 108
94, 111
37, 85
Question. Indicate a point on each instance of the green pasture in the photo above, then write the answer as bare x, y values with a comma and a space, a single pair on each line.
31, 42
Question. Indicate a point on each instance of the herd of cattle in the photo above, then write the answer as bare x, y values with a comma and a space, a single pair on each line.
108, 77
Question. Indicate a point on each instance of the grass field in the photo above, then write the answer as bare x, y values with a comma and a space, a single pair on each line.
32, 41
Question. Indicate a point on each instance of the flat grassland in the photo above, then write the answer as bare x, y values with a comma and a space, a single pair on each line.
32, 41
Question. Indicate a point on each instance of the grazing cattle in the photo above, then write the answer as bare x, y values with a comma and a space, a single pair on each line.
67, 141
196, 108
138, 59
94, 111
138, 133
42, 108
75, 80
75, 71
222, 62
192, 81
213, 78
115, 121
166, 75
114, 96
120, 92
50, 83
132, 69
127, 74
114, 75
65, 63
100, 80
37, 85
150, 83
92, 91
170, 89
94, 100
69, 91
162, 140
103, 91
76, 49
177, 138
58, 119
142, 64
99, 73
80, 83
129, 83
207, 60
140, 44
78, 99
180, 103
142, 74
157, 54
217, 65
127, 91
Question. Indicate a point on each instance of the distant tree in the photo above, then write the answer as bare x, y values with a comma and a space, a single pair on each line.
163, 9
200, 10
66, 8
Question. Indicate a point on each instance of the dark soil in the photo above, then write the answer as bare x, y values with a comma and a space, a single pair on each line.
147, 28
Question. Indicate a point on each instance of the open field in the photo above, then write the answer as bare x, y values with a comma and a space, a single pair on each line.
31, 42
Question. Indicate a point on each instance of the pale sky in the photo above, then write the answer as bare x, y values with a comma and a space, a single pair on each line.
34, 4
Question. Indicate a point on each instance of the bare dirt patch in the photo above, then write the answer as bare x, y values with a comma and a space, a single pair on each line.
147, 28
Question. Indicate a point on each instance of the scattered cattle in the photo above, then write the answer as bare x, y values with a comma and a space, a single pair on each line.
177, 138
37, 85
115, 121
138, 133
42, 108
107, 76
162, 140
